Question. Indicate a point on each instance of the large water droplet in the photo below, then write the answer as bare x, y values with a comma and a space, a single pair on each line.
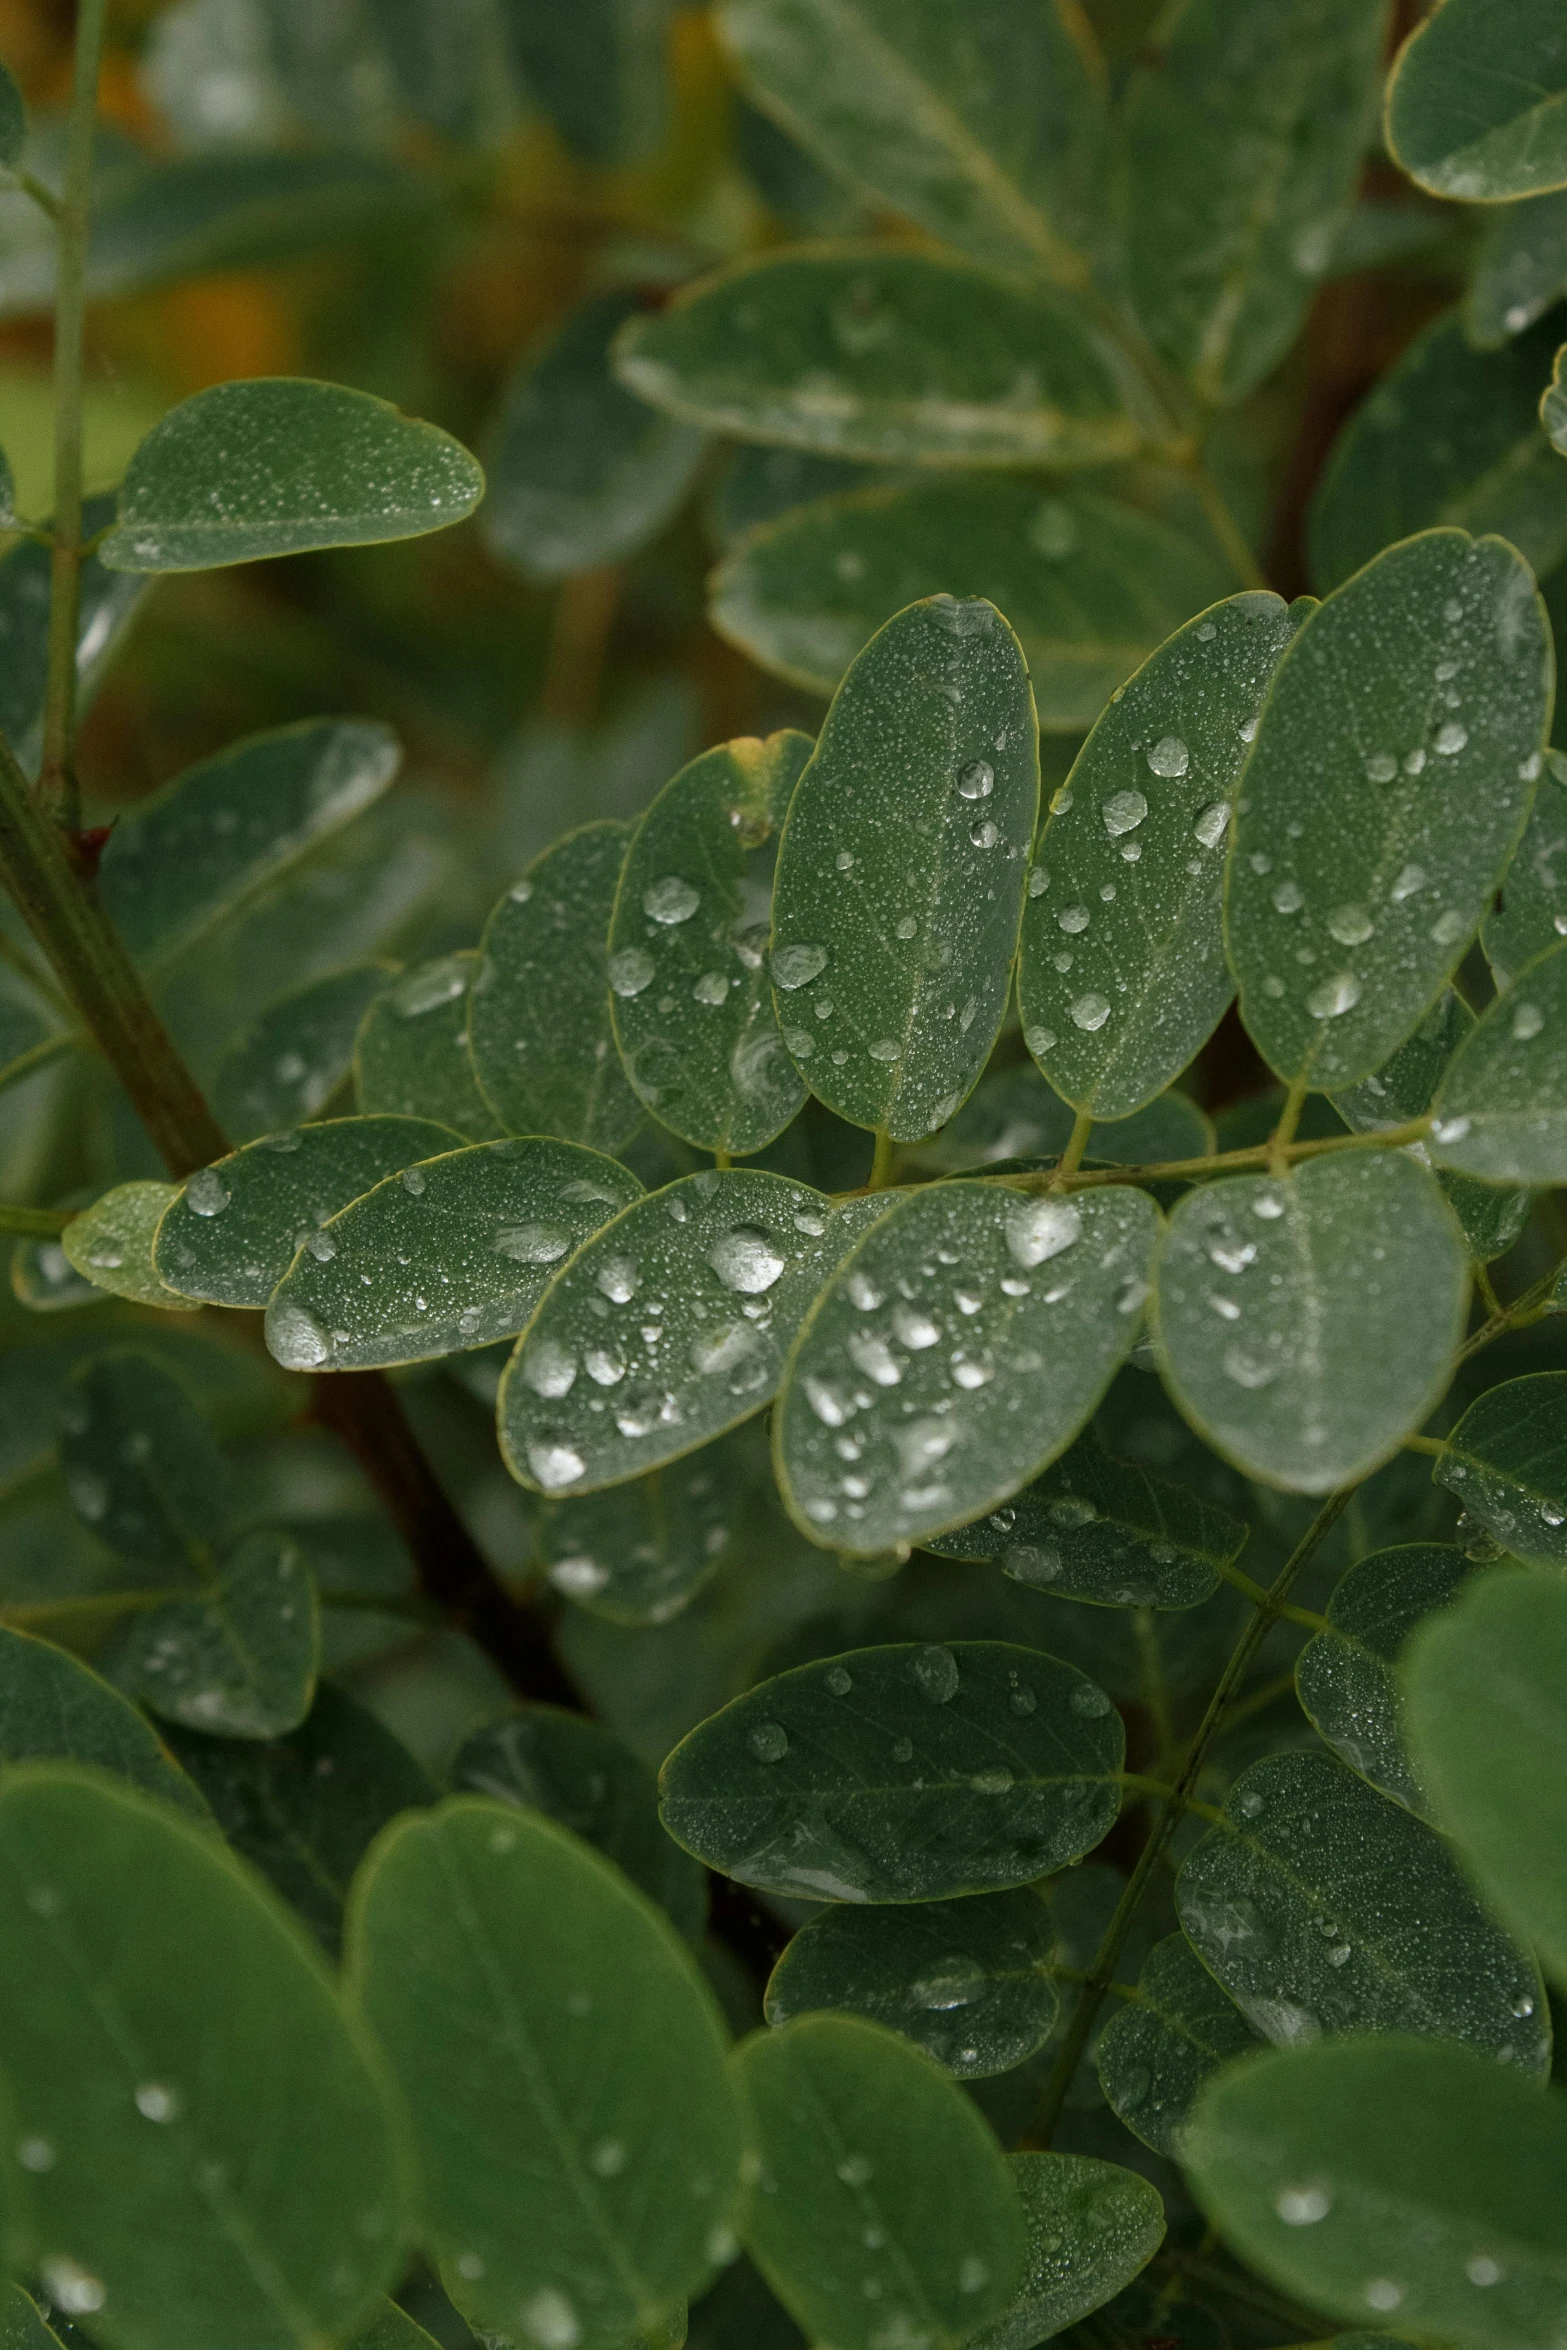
1382, 767
1302, 2207
533, 1244
768, 1741
1350, 925
671, 900
619, 1279
1450, 739
549, 1369
206, 1194
875, 1358
1212, 824
1125, 811
1287, 898
1041, 1228
746, 1260
952, 1982
630, 971
295, 1339
1090, 1701
1528, 1021
1090, 1012
977, 781
1339, 994
795, 966
555, 1461
936, 1672
1169, 756
1073, 919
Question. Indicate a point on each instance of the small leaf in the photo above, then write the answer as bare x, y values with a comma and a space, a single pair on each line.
899, 357
233, 1234
508, 1972
1521, 270
240, 1660
641, 1552
44, 1280
900, 872
58, 1710
140, 1466
1347, 1678
1157, 2053
1532, 912
131, 1947
1092, 2226
955, 1387
730, 1261
109, 601
1306, 1326
1488, 1725
1501, 1113
1107, 1531
451, 1253
1014, 1114
1506, 1461
693, 1013
304, 1808
969, 1982
874, 2169
1244, 140
275, 465
285, 1066
1381, 2175
1391, 779
185, 860
1477, 103
1322, 1908
110, 1244
581, 473
1122, 976
539, 1033
411, 1058
901, 1774
575, 1772
599, 71
13, 120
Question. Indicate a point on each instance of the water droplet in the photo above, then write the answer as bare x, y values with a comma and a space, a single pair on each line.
1382, 2293
1483, 2270
1032, 1562
206, 1194
555, 1461
1090, 1012
1339, 994
1382, 767
1449, 928
1038, 882
1302, 2207
1287, 898
71, 2287
908, 927
875, 1358
1350, 925
533, 1244
1169, 756
768, 1741
630, 971
1528, 1021
839, 1680
1410, 879
1042, 1228
745, 1260
984, 835
1415, 763
977, 781
551, 2320
1341, 1954
1249, 1370
1450, 739
796, 966
831, 1407
915, 1329
295, 1339
936, 1671
856, 2170
618, 1279
1039, 1040
1072, 919
711, 988
36, 2154
952, 1982
670, 900
1213, 823
1126, 809
1089, 1701
157, 2101
548, 1368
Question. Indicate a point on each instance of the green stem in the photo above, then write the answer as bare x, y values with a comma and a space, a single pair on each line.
1284, 1133
36, 1223
1224, 526
881, 1164
20, 1614
57, 777
48, 1048
30, 185
1161, 1793
1259, 1596
1434, 1445
1072, 1157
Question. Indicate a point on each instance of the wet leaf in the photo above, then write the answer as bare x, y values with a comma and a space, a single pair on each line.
21, 2326
877, 2170
1306, 1325
1391, 779
1323, 1908
239, 1660
140, 1467
1108, 1531
1014, 1114
1521, 270
44, 1280
1477, 105
275, 465
1159, 2051
58, 1710
603, 1386
110, 1244
1501, 1113
1532, 913
1122, 976
109, 601
899, 357
957, 1351
131, 1946
1092, 2226
641, 1552
969, 1982
234, 1232
509, 1974
693, 1012
1244, 140
391, 2329
411, 1056
1506, 1461
901, 1774
1090, 585
453, 1252
286, 1066
762, 484
1350, 1679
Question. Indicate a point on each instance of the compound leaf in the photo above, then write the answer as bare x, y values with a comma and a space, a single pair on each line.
1506, 1461
139, 1462
1477, 103
111, 1243
58, 1710
285, 1066
1092, 2226
411, 1055
1350, 1680
1158, 2051
1501, 1113
240, 1660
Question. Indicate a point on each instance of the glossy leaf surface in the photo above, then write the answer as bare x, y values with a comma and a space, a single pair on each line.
901, 1774
1521, 271
287, 1064
241, 1659
1477, 106
1092, 2226
139, 1462
1506, 1461
111, 1244
1502, 1111
639, 1553
411, 1055
1156, 2054
58, 1710
1349, 1679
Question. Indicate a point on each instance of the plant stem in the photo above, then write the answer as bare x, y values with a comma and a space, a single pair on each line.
1261, 1597
1072, 1157
1434, 1445
1157, 1789
19, 1614
1284, 1133
881, 1164
36, 1223
1224, 526
57, 777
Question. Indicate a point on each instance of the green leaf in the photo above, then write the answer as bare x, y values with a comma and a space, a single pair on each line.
991, 133
1306, 1326
598, 70
1477, 104
539, 1033
1530, 913
959, 1348
1122, 977
13, 120
275, 465
233, 1233
1243, 144
108, 604
186, 860
451, 1253
44, 1280
899, 887
1506, 1461
896, 356
581, 472
731, 1261
1521, 270
1090, 585
1014, 1114
760, 484
969, 1982
1323, 1908
576, 1772
1382, 888
1349, 1679
559, 2054
1450, 436
304, 1808
693, 1014
640, 1553
1107, 1531
1501, 1113
1157, 2052
131, 1947
1488, 1724
57, 1710
139, 1463
241, 1659
1091, 2227
110, 1244
21, 2326
391, 2329
411, 1058
901, 1774
285, 1066
1381, 2175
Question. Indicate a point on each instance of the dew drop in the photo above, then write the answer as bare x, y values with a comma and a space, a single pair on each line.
71, 2287
157, 2101
548, 1368
768, 1741
795, 966
670, 900
1382, 767
1039, 1040
1450, 739
936, 1671
952, 1982
839, 1680
1042, 1228
1169, 756
630, 971
533, 1244
1090, 1012
1090, 1702
1073, 919
1528, 1021
1302, 2207
1339, 994
1287, 898
205, 1193
1126, 809
977, 781
1350, 925
1212, 824
1410, 879
745, 1260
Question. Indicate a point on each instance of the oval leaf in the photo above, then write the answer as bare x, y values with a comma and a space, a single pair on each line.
1506, 1461
1502, 1110
1347, 1678
140, 1465
111, 1244
286, 1065
57, 1710
1156, 2053
1532, 913
1015, 1114
241, 1660
641, 1552
1092, 2226
1477, 105
1521, 271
